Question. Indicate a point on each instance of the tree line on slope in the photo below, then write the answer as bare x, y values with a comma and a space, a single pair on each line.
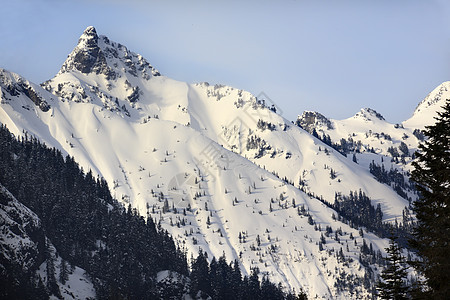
220, 280
393, 178
119, 249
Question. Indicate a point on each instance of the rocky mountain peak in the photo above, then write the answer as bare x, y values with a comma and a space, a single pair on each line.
97, 54
89, 38
311, 119
368, 114
87, 56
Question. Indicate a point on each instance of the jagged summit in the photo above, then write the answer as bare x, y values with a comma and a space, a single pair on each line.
311, 119
368, 114
87, 55
89, 40
90, 31
89, 35
102, 67
97, 54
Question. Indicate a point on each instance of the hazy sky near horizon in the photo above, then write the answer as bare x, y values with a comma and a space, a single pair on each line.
334, 57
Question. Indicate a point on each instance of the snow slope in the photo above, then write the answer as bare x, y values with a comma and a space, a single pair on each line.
426, 110
205, 161
374, 138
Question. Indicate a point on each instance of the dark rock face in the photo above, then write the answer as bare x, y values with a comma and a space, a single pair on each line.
15, 87
134, 95
85, 61
91, 34
309, 120
89, 57
37, 100
97, 54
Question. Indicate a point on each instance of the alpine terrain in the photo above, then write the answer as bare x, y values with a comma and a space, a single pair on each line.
307, 203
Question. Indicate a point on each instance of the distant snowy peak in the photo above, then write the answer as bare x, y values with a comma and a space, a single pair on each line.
311, 119
97, 54
438, 95
426, 110
368, 114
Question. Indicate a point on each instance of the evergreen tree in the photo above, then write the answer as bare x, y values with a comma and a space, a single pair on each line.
254, 287
224, 285
404, 149
270, 291
215, 279
236, 279
392, 286
431, 235
200, 279
63, 272
52, 285
166, 206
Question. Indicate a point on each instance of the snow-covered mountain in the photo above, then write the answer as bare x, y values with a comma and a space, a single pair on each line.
374, 143
217, 166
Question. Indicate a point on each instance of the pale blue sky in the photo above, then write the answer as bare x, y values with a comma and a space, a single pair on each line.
334, 57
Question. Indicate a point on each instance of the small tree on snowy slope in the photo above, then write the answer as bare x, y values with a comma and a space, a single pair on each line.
355, 160
392, 284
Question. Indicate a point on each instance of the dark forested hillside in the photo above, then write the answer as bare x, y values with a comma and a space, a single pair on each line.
120, 250
116, 246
